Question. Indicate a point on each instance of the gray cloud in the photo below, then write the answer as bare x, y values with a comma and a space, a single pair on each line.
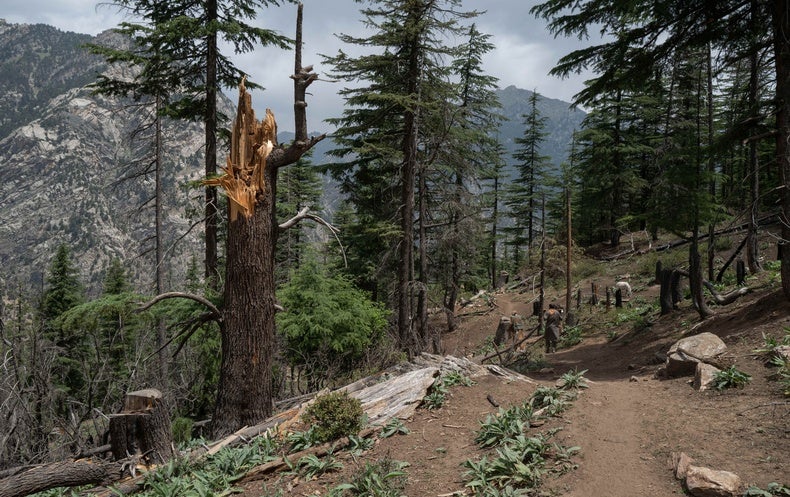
525, 51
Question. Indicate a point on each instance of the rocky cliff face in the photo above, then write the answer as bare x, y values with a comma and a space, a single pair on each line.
63, 161
64, 153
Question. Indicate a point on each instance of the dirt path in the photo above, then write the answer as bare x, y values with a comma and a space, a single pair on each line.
616, 460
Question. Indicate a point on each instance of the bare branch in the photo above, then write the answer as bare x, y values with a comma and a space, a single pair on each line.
305, 214
180, 295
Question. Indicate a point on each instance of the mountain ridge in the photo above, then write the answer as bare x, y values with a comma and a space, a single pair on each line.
64, 151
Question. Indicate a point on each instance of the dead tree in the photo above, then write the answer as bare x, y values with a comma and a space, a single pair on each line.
142, 429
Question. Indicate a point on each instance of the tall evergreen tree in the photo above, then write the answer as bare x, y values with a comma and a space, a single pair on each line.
531, 167
177, 47
644, 34
63, 289
381, 125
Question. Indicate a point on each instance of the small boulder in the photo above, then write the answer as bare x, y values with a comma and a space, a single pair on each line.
705, 482
683, 355
680, 464
704, 376
783, 352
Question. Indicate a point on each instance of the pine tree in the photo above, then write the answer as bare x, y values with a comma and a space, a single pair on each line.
644, 35
116, 280
63, 289
176, 49
383, 119
531, 168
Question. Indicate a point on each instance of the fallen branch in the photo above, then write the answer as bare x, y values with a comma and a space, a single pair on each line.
261, 471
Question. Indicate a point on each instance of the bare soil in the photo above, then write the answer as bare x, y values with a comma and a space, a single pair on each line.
627, 423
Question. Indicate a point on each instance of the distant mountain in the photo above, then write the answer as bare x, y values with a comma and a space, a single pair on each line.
562, 121
64, 150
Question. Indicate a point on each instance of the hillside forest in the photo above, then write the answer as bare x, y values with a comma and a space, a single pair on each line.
685, 138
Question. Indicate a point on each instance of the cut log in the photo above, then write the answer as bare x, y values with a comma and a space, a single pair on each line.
142, 428
62, 474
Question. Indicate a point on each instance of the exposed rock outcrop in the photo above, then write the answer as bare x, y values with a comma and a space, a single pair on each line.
683, 355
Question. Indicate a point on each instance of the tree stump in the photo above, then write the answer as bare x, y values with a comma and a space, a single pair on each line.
578, 298
618, 298
501, 331
676, 288
740, 271
594, 296
659, 267
503, 278
142, 428
608, 298
536, 308
666, 291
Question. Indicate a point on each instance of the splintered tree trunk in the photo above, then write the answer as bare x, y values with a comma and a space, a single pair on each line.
142, 428
244, 393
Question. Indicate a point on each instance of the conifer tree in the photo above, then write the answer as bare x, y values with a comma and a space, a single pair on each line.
176, 47
382, 123
63, 288
531, 168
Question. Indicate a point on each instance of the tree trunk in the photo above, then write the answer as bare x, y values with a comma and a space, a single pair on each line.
781, 33
752, 248
244, 394
210, 119
61, 474
695, 280
161, 325
665, 297
407, 340
142, 429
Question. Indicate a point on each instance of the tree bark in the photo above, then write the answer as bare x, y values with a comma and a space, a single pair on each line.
210, 119
143, 428
62, 474
244, 395
781, 33
665, 298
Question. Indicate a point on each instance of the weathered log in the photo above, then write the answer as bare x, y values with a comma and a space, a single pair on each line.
142, 428
62, 474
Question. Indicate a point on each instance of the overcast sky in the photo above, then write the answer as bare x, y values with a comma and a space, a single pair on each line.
525, 51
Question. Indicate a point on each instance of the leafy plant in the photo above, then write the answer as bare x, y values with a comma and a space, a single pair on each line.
571, 336
730, 378
773, 490
496, 429
393, 427
335, 415
300, 440
358, 445
383, 478
312, 465
454, 378
552, 398
574, 379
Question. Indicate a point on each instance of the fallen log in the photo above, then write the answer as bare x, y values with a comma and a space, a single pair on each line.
63, 474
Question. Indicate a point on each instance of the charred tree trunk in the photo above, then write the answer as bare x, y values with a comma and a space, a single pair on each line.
665, 298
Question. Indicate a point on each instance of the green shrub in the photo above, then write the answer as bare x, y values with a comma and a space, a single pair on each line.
182, 430
571, 336
730, 378
335, 415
